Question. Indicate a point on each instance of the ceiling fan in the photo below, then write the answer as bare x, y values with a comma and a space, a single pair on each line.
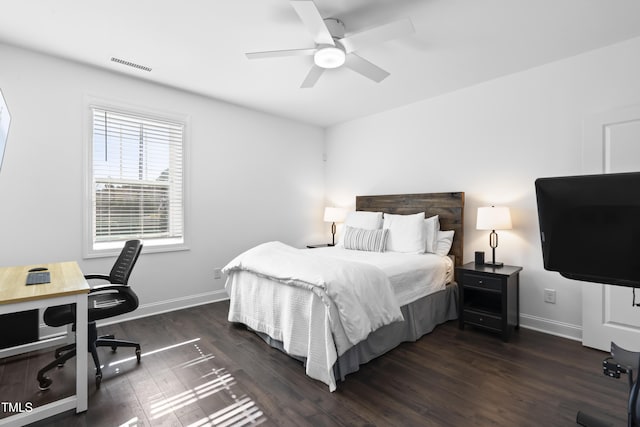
333, 49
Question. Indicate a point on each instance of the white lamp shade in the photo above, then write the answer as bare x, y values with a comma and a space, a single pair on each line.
494, 218
334, 214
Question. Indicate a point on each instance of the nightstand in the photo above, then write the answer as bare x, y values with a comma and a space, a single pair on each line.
321, 245
489, 297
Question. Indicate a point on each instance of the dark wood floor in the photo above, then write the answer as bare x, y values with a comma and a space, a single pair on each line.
197, 370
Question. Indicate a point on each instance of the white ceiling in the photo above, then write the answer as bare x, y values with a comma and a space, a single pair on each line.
199, 45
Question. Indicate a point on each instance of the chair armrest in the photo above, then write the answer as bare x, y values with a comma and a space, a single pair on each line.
112, 299
110, 287
96, 276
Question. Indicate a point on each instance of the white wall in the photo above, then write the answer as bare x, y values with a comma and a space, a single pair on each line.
252, 177
492, 141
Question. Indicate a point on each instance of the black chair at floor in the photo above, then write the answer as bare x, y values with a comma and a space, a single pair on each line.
104, 301
620, 362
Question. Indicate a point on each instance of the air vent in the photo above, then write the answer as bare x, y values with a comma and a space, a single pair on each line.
130, 64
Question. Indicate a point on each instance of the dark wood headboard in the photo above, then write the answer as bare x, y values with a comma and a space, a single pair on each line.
449, 207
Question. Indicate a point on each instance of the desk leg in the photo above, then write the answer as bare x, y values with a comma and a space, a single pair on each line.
81, 352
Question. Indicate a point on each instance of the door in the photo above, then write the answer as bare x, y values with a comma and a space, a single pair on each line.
611, 144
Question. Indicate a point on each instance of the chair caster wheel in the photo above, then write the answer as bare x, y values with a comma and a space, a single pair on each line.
138, 354
44, 383
98, 380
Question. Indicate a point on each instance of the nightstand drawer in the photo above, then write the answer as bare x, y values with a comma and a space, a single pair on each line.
483, 319
484, 282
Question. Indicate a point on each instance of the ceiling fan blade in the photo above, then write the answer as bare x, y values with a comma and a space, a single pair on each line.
278, 53
377, 35
310, 16
366, 68
312, 77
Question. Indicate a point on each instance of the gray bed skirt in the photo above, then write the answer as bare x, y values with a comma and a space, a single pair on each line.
420, 318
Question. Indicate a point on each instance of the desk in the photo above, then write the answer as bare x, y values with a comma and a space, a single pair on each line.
67, 286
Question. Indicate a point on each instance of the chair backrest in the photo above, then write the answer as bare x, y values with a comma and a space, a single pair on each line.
126, 260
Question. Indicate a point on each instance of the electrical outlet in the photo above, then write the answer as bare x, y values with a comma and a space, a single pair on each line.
550, 296
217, 273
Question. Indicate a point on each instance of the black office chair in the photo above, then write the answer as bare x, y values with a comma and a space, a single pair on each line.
620, 362
104, 301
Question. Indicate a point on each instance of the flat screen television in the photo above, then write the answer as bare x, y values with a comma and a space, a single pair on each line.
5, 120
590, 227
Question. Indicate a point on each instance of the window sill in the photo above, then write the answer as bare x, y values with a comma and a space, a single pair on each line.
110, 249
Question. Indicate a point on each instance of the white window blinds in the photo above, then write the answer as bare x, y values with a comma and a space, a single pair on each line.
137, 178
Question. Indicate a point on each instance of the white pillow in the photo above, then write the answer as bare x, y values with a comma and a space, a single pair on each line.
406, 233
445, 240
361, 219
361, 239
431, 228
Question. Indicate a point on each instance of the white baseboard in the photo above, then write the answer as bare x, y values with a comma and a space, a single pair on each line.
553, 327
145, 310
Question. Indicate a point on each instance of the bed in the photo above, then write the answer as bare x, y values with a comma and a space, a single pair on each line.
316, 304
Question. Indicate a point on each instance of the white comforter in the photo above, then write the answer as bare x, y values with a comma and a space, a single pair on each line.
412, 276
362, 293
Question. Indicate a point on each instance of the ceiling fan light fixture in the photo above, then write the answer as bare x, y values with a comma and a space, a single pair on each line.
329, 57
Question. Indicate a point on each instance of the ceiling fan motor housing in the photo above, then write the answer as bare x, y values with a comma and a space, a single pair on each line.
329, 56
335, 27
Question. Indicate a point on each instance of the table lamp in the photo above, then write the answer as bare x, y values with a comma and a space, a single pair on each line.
493, 218
334, 215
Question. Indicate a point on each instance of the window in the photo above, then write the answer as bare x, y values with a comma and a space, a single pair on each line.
136, 180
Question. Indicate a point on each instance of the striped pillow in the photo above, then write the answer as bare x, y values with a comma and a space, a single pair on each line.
361, 239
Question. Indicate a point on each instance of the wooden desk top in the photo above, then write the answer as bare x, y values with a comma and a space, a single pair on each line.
66, 279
